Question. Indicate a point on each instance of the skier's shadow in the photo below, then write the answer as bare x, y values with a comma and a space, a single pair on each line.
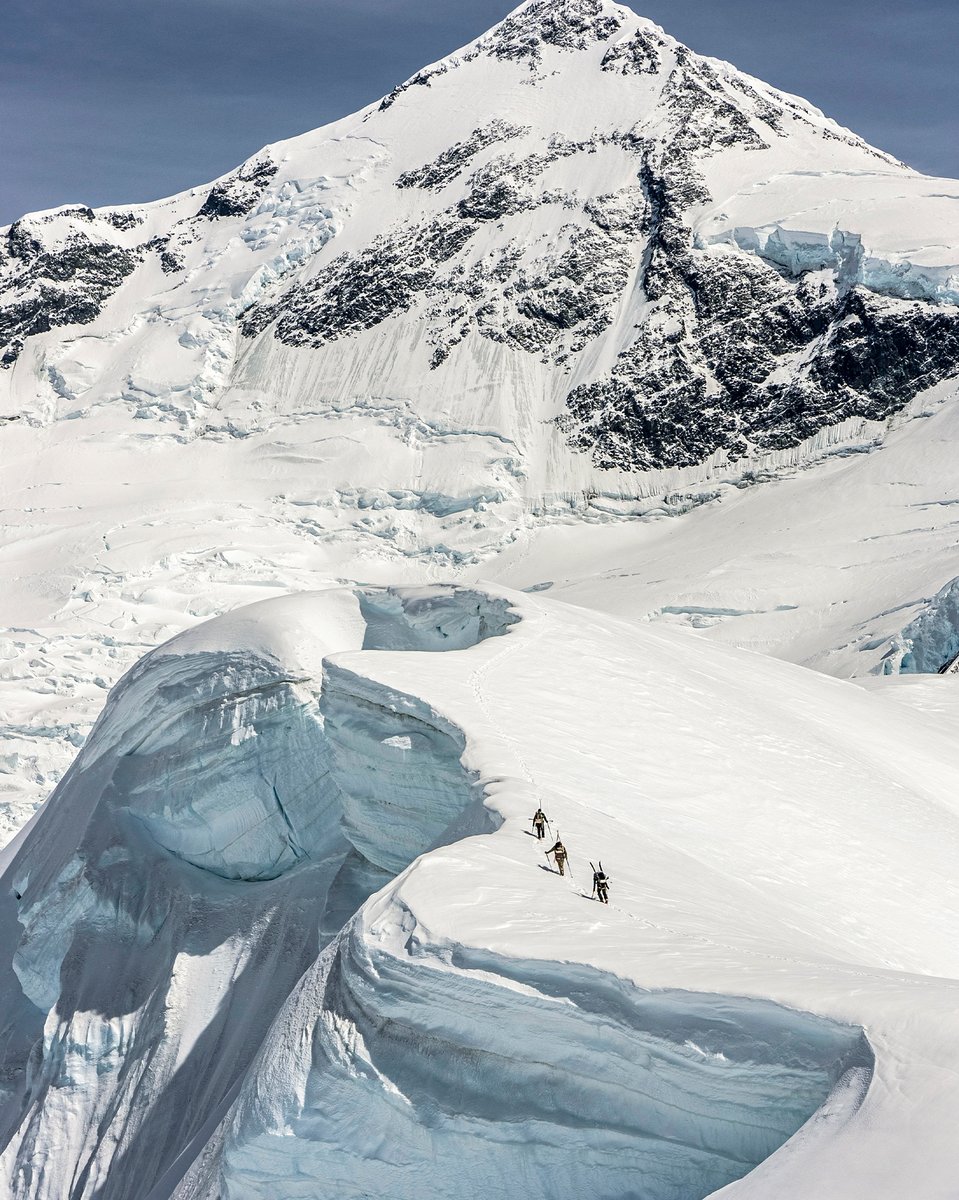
545, 868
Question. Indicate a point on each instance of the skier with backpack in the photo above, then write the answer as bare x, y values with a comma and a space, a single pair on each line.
600, 884
540, 821
559, 854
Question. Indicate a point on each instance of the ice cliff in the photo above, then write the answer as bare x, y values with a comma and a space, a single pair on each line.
325, 959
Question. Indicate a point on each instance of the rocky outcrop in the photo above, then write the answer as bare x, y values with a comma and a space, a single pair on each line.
737, 354
237, 195
66, 283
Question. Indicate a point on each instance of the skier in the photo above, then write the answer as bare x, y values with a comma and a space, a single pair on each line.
540, 821
600, 884
559, 853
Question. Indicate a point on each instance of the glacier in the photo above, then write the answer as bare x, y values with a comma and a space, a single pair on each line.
321, 969
212, 767
487, 449
843, 255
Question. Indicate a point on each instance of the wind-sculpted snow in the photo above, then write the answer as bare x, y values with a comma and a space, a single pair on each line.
339, 965
397, 767
553, 1076
432, 618
251, 803
228, 814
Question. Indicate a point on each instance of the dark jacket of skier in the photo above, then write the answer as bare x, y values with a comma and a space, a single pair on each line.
559, 853
540, 821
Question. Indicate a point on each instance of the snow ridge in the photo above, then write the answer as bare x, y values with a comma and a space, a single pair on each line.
511, 1070
266, 812
248, 790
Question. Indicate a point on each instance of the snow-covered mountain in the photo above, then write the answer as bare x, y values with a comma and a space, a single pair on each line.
649, 248
583, 313
571, 274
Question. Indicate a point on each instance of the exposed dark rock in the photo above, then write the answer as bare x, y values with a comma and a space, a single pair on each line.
239, 193
420, 79
504, 186
737, 356
79, 212
549, 302
763, 106
705, 116
123, 220
578, 290
356, 292
639, 55
566, 24
170, 262
496, 191
22, 244
452, 162
66, 285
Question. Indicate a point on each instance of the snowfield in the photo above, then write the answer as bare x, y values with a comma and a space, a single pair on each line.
576, 426
222, 1010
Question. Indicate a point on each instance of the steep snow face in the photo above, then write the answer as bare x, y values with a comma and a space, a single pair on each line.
496, 1070
208, 840
840, 567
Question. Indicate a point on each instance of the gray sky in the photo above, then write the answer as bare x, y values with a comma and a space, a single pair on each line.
115, 101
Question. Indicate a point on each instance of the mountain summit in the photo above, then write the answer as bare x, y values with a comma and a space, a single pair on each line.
622, 254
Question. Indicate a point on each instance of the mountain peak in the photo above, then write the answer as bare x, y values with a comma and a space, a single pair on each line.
566, 24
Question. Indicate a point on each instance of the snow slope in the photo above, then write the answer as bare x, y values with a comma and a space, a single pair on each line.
474, 314
778, 953
583, 313
847, 566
